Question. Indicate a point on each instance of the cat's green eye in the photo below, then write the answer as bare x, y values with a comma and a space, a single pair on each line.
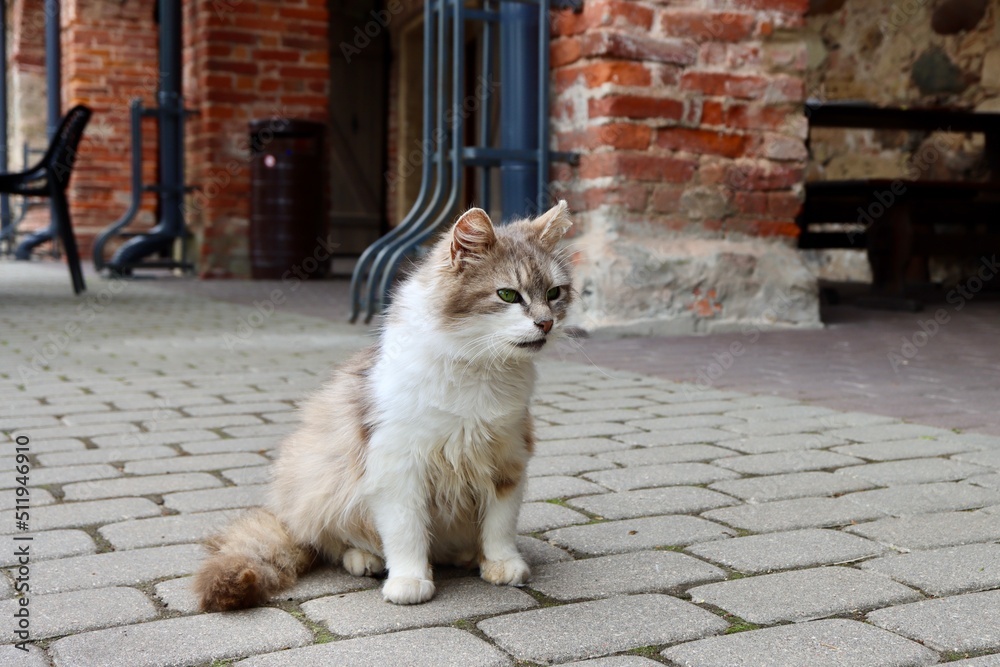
553, 294
508, 295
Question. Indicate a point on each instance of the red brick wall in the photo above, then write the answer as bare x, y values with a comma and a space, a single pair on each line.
687, 115
244, 61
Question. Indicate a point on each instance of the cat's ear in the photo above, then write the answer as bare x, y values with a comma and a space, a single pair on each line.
552, 225
472, 235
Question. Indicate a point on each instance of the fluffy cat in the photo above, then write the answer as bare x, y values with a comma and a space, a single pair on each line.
415, 452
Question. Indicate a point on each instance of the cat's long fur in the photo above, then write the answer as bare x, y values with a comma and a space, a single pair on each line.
415, 451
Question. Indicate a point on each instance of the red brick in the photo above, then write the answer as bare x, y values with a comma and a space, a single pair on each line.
636, 106
747, 116
750, 203
564, 51
632, 197
784, 204
616, 135
745, 86
596, 74
277, 55
636, 166
667, 198
598, 13
704, 25
632, 46
767, 228
763, 175
701, 142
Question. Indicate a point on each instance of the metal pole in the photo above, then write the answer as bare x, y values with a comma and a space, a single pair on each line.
4, 199
53, 67
171, 111
519, 107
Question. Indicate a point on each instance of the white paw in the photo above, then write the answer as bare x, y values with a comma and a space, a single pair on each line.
407, 590
513, 571
362, 564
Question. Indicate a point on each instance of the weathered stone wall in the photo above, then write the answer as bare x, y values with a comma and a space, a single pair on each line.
689, 121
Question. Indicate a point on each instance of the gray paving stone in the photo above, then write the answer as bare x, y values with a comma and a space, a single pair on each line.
788, 461
780, 413
613, 537
276, 431
774, 428
885, 432
75, 515
990, 459
578, 446
573, 464
537, 552
617, 661
612, 392
558, 486
616, 415
429, 647
601, 627
116, 568
122, 417
605, 576
90, 430
602, 404
253, 475
931, 531
38, 497
649, 502
913, 448
160, 531
792, 514
985, 661
831, 643
759, 554
185, 641
105, 455
51, 544
685, 422
366, 613
914, 471
63, 475
53, 445
140, 486
783, 443
669, 474
65, 613
236, 408
684, 436
582, 430
204, 423
229, 445
697, 408
964, 569
34, 657
989, 481
215, 499
194, 463
792, 485
958, 623
803, 595
536, 517
668, 454
158, 437
925, 498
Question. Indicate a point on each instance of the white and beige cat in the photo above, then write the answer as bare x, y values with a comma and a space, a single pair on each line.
415, 452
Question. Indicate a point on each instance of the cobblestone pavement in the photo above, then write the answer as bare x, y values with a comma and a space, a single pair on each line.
666, 523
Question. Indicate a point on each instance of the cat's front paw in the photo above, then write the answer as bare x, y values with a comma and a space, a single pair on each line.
362, 564
407, 590
513, 571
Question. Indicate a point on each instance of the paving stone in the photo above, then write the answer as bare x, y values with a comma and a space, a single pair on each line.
913, 471
105, 455
788, 461
52, 544
253, 475
53, 445
885, 432
780, 413
429, 647
783, 443
236, 408
989, 481
216, 499
791, 514
792, 485
540, 466
158, 437
964, 569
913, 448
648, 502
684, 436
758, 554
228, 445
90, 430
194, 463
122, 417
613, 537
603, 404
617, 661
578, 446
601, 627
990, 459
618, 415
582, 430
276, 431
925, 498
697, 408
680, 394
65, 613
34, 657
75, 515
985, 661
930, 531
959, 623
803, 595
612, 392
200, 423
670, 474
605, 576
63, 475
366, 613
687, 421
178, 642
38, 497
559, 486
536, 552
668, 454
160, 531
140, 486
116, 568
830, 643
178, 594
536, 517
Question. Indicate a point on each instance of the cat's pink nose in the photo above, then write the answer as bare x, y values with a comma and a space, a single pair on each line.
545, 325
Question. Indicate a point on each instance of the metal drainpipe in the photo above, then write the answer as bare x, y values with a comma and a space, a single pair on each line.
53, 67
519, 194
4, 199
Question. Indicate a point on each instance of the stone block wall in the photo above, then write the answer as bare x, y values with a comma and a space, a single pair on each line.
689, 120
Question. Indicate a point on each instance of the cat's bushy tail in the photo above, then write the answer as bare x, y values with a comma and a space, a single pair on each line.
250, 561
